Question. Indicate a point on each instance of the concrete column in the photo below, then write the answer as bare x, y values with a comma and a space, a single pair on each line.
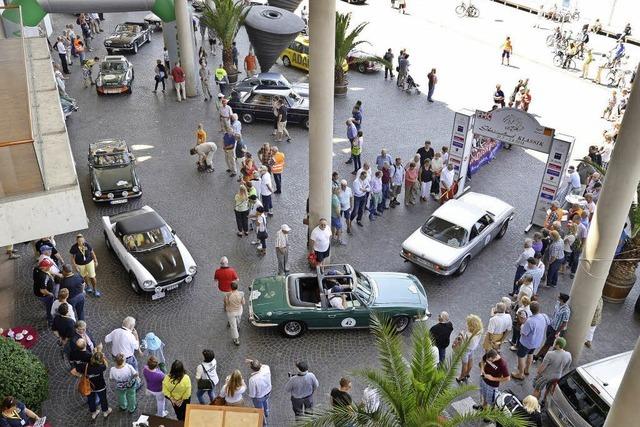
620, 185
624, 411
186, 47
170, 37
322, 21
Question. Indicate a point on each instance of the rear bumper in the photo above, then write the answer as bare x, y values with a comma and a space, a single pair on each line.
254, 322
411, 257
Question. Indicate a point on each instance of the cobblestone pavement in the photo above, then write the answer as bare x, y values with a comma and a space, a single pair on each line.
199, 207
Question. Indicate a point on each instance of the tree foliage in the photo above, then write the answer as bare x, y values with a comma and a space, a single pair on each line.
225, 19
22, 375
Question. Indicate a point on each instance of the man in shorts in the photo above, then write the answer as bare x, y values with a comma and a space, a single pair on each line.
85, 262
553, 365
532, 335
321, 241
336, 220
507, 50
346, 202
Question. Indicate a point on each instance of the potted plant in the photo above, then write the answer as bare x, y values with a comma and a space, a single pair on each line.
225, 19
414, 392
622, 273
22, 375
346, 41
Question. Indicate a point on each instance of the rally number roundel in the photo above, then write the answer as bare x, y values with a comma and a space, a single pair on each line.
348, 322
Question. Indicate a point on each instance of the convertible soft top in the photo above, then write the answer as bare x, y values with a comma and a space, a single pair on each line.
144, 221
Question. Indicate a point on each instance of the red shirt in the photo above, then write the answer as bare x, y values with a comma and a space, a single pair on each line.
177, 74
498, 369
225, 276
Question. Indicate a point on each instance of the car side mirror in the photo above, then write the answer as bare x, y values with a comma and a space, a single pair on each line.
173, 232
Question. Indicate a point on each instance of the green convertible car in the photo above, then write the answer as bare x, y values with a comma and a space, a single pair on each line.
335, 297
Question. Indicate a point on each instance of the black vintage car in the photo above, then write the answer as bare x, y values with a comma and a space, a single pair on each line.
113, 174
115, 76
128, 36
257, 104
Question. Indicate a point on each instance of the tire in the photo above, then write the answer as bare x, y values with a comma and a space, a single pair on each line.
636, 308
286, 61
503, 230
293, 328
611, 79
572, 65
129, 90
557, 60
135, 48
475, 12
550, 40
362, 68
106, 242
563, 43
109, 52
461, 10
247, 118
305, 123
463, 266
401, 323
134, 284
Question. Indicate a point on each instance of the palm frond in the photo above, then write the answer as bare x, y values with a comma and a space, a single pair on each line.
492, 414
387, 390
352, 415
346, 41
225, 19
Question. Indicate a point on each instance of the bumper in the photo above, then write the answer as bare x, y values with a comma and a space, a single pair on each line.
423, 318
119, 48
434, 268
103, 90
159, 291
116, 200
252, 318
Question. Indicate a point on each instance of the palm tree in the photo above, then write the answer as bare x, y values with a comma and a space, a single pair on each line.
413, 393
346, 41
624, 265
225, 19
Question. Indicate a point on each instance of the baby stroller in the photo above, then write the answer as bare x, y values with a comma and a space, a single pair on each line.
508, 403
410, 84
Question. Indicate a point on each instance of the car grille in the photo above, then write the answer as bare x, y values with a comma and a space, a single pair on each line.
173, 280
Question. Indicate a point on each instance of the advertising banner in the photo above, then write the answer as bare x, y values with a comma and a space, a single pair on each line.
460, 148
513, 126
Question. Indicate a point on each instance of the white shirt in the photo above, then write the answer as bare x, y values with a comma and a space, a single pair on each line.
536, 273
336, 301
226, 111
525, 290
260, 382
591, 207
371, 399
265, 184
122, 341
61, 49
574, 179
54, 268
282, 239
446, 177
368, 172
397, 174
56, 304
208, 371
206, 148
236, 126
360, 187
499, 323
524, 256
321, 239
345, 198
236, 397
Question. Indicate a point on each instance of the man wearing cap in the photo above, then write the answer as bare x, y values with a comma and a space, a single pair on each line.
259, 386
552, 368
282, 249
125, 340
225, 114
46, 252
55, 255
85, 262
301, 386
43, 286
225, 275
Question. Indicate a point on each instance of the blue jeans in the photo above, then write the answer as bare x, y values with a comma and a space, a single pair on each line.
77, 303
100, 395
262, 403
359, 204
552, 276
266, 202
442, 353
385, 196
430, 93
200, 395
48, 302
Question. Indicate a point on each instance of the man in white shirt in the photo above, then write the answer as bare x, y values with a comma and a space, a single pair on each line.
125, 341
498, 328
535, 269
225, 114
205, 151
62, 53
574, 180
360, 190
397, 179
346, 202
321, 241
282, 249
266, 189
446, 183
521, 263
259, 386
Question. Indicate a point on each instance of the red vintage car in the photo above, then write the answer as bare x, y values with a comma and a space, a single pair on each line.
358, 60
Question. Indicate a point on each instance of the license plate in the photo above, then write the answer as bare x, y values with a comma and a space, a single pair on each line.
112, 91
171, 287
118, 202
158, 295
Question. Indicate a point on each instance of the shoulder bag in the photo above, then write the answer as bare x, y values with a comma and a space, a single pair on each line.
84, 385
205, 383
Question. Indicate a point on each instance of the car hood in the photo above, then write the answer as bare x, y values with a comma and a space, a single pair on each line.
116, 178
431, 250
399, 289
163, 264
268, 295
112, 78
122, 38
301, 89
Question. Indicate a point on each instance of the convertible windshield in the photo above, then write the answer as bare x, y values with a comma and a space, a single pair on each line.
113, 67
148, 240
445, 232
363, 288
126, 28
116, 158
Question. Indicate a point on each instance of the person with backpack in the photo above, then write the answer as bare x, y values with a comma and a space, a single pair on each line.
388, 69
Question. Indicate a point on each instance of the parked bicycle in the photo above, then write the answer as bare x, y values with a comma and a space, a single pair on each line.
471, 11
560, 58
560, 39
617, 77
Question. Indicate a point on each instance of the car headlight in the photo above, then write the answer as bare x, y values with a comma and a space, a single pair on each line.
135, 189
147, 283
110, 195
125, 193
193, 269
98, 193
107, 42
99, 82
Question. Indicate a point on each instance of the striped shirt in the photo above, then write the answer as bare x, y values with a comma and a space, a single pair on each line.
556, 249
561, 315
282, 239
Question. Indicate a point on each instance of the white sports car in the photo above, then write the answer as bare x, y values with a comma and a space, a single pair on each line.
457, 231
149, 250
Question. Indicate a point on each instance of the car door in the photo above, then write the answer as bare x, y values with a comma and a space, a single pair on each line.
356, 315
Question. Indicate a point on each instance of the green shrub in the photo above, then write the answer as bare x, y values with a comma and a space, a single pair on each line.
22, 375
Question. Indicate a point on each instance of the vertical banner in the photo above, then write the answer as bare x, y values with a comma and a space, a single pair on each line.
557, 162
460, 148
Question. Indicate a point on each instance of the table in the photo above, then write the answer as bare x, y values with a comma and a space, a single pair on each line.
23, 342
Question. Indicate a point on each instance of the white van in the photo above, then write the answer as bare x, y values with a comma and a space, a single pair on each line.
584, 395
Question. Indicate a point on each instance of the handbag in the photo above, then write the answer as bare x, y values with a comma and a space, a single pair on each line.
84, 385
262, 235
192, 151
458, 340
204, 383
133, 382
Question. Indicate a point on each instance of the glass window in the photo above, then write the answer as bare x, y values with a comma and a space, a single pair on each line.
583, 399
445, 232
148, 240
261, 99
363, 289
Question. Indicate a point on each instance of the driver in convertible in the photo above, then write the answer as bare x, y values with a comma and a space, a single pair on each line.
338, 296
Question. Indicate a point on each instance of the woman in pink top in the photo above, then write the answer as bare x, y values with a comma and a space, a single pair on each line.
411, 186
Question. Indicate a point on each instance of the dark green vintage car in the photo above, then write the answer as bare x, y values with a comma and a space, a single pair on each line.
335, 297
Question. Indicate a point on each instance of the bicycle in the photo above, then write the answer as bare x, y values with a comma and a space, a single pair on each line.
560, 58
471, 11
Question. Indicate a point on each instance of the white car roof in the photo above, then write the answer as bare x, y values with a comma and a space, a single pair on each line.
486, 203
606, 374
460, 213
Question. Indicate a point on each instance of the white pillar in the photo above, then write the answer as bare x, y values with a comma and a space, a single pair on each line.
619, 190
322, 18
186, 47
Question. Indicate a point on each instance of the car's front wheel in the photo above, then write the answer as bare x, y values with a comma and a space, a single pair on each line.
129, 90
109, 52
401, 323
135, 47
503, 230
248, 118
305, 122
463, 266
293, 328
107, 242
134, 284
286, 61
362, 68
